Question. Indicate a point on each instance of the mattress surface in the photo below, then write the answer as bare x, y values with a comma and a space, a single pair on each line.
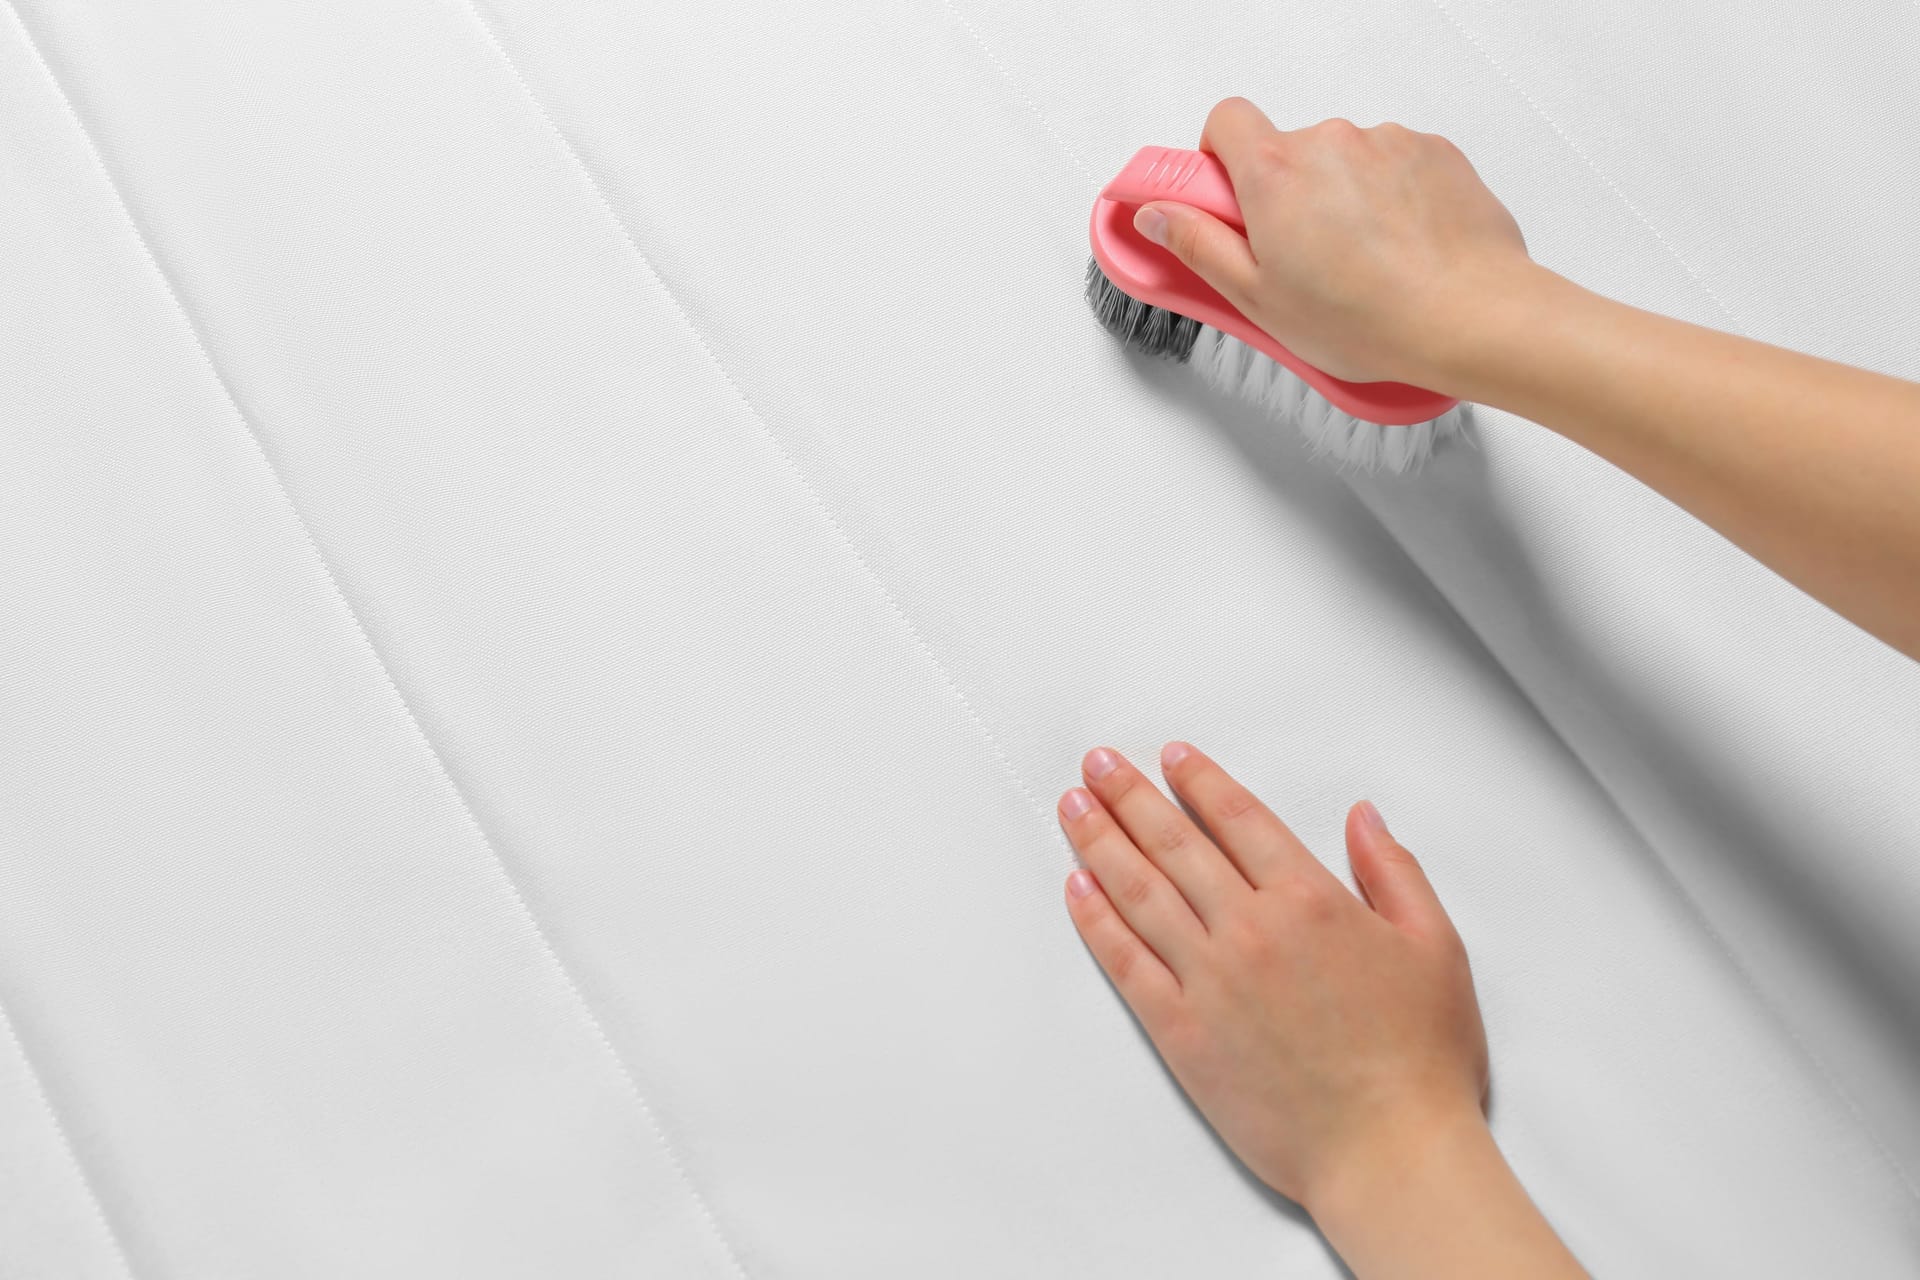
557, 555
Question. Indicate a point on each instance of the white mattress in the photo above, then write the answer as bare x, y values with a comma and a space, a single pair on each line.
555, 557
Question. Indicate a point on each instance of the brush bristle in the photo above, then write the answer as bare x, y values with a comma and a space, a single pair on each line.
1230, 365
1152, 331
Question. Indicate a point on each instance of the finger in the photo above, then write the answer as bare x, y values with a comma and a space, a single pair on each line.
1392, 880
1207, 246
1155, 825
1253, 152
1260, 845
1145, 898
1234, 129
1141, 978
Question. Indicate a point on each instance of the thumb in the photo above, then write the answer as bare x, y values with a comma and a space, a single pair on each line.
1391, 879
1207, 246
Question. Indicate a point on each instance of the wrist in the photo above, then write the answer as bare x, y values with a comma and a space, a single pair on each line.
1476, 334
1396, 1162
1433, 1197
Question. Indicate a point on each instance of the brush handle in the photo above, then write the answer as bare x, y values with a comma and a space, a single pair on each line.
1189, 177
1148, 273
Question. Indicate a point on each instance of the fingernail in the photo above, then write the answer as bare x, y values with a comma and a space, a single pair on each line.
1075, 804
1173, 753
1101, 762
1079, 885
1371, 818
1152, 224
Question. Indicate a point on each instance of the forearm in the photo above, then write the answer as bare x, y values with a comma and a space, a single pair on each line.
1812, 467
1438, 1204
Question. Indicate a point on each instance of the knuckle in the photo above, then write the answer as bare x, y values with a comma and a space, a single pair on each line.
1397, 858
1309, 901
1135, 891
1395, 854
1178, 1036
1171, 836
1249, 937
1271, 156
1123, 962
1236, 804
1185, 242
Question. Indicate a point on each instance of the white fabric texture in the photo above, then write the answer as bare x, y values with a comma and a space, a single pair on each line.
556, 556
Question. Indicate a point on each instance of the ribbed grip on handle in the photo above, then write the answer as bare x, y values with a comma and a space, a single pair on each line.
1167, 173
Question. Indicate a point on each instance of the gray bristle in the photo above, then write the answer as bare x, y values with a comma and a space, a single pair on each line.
1152, 331
1230, 365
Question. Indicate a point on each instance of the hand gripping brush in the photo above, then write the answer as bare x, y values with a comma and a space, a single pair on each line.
1152, 302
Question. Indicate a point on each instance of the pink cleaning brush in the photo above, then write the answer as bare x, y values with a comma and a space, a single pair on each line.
1151, 301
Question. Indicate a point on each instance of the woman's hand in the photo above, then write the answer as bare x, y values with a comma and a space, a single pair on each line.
1364, 248
1378, 254
1334, 1043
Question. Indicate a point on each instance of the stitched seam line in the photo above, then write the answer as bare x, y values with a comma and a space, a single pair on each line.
785, 454
1688, 900
1587, 160
66, 1139
87, 1183
574, 994
1033, 107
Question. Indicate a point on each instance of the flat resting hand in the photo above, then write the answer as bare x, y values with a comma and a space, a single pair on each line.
1333, 1041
